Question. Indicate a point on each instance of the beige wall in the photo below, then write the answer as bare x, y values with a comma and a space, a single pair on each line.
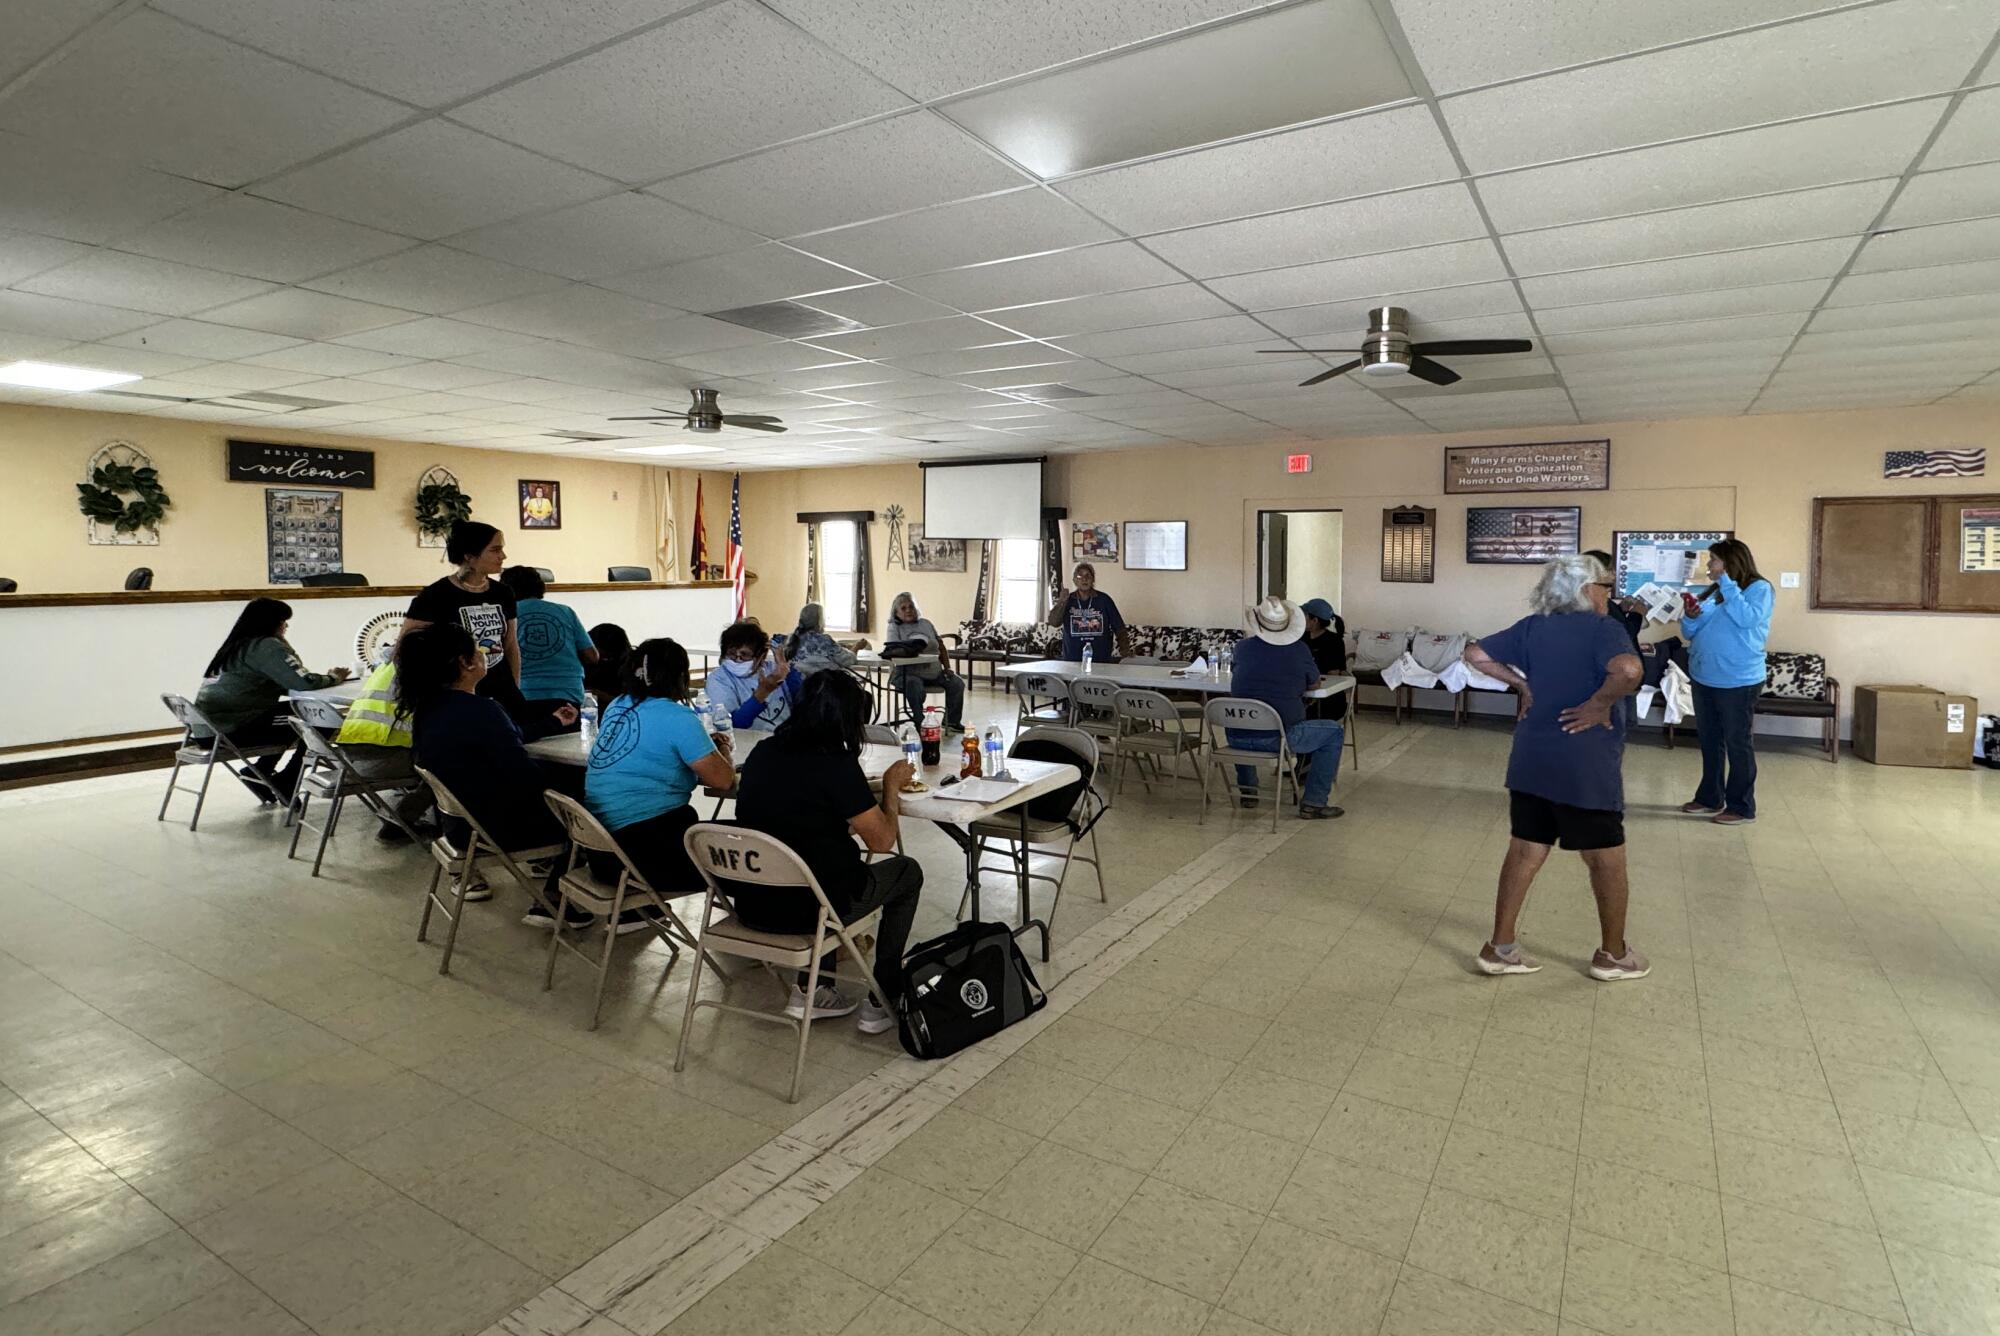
1756, 475
213, 537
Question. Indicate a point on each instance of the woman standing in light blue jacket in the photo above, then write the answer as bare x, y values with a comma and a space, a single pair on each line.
1726, 661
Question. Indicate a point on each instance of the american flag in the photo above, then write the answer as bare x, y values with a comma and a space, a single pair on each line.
1934, 463
698, 553
734, 556
1520, 534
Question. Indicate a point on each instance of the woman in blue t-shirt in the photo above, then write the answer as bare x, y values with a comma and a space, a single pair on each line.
1726, 629
650, 753
554, 649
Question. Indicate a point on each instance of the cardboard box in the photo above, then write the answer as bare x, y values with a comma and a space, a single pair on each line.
1914, 725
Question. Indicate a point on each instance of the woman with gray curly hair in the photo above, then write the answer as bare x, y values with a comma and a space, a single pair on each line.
1572, 667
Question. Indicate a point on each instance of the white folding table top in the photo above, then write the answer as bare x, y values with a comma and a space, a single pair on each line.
1158, 677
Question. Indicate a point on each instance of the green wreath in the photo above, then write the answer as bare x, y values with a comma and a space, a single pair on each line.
439, 506
101, 499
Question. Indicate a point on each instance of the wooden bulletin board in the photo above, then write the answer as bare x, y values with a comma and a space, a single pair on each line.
1906, 553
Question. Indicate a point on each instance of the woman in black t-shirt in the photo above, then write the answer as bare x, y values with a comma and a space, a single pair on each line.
472, 597
804, 785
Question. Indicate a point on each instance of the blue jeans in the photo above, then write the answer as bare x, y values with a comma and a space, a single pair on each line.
1722, 718
1319, 740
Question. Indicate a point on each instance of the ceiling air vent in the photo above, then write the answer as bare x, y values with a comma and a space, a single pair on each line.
787, 320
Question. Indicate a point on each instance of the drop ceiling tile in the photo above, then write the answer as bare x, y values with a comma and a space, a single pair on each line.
436, 336
1926, 335
989, 42
133, 361
996, 227
299, 314
1972, 134
1862, 145
110, 278
1831, 211
344, 390
1086, 271
435, 280
1375, 278
217, 378
188, 103
241, 234
869, 171
1691, 273
1357, 155
574, 310
1061, 370
1214, 382
613, 235
60, 318
664, 340
836, 380
1748, 374
1948, 196
430, 180
1474, 42
1287, 66
1944, 280
716, 83
437, 376
759, 358
1194, 359
429, 53
1424, 217
745, 278
1706, 357
1763, 299
959, 331
1349, 320
878, 304
1692, 332
1941, 243
23, 255
1904, 48
1166, 338
1923, 312
1118, 310
196, 338
55, 191
962, 361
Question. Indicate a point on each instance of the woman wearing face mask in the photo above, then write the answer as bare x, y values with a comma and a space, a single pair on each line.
1726, 629
759, 694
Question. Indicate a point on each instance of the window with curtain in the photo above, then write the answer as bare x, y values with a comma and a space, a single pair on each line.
1019, 586
838, 564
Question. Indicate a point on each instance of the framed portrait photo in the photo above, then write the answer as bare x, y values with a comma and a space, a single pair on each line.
541, 504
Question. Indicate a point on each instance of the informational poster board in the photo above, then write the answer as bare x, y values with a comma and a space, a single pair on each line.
1657, 566
1155, 545
1979, 538
1558, 466
302, 533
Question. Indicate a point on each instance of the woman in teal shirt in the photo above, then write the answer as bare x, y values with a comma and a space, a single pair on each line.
554, 648
1726, 661
650, 753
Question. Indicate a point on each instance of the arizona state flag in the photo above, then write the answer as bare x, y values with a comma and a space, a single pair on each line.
698, 554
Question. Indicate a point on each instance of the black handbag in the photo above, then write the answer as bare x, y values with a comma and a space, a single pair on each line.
961, 987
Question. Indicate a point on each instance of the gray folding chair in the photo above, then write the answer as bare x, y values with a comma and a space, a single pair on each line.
329, 775
1023, 833
579, 886
463, 863
1044, 699
1094, 710
1158, 732
753, 861
208, 753
1248, 716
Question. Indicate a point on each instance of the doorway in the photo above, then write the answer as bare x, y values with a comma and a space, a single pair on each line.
1298, 555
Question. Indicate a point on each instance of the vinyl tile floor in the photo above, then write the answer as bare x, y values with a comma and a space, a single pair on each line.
1268, 1094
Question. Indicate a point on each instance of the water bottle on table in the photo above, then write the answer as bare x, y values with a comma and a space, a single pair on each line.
1086, 659
912, 748
718, 721
996, 753
586, 722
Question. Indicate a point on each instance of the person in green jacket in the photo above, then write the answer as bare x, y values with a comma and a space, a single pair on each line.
245, 680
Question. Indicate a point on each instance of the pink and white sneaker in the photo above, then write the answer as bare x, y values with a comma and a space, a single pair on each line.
1513, 960
1608, 968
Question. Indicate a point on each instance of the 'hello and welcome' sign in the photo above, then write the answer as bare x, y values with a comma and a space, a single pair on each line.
255, 461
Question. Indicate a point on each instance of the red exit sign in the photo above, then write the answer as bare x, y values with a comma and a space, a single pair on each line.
1298, 463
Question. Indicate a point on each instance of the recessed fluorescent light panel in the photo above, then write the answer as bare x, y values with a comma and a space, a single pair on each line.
53, 376
658, 450
1282, 67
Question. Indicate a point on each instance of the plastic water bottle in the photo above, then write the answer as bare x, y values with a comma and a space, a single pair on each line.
912, 748
718, 719
1086, 659
1225, 660
996, 753
586, 719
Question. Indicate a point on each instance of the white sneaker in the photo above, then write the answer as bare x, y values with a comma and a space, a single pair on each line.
874, 1019
476, 889
828, 1002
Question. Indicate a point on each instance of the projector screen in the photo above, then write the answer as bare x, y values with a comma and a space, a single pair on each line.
994, 499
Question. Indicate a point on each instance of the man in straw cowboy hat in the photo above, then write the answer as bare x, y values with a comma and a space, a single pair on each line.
1274, 666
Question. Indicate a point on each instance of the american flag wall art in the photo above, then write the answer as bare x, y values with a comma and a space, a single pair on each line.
1934, 463
1521, 534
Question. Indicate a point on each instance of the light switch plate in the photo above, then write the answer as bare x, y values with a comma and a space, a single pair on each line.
1788, 580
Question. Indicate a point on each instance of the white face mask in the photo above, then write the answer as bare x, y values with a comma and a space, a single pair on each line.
739, 667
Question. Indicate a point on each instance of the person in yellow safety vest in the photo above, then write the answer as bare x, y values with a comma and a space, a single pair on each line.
377, 740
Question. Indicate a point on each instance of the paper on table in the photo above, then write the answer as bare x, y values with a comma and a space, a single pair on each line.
977, 790
1197, 668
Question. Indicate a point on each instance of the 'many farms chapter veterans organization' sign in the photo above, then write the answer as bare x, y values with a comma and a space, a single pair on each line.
254, 461
1559, 466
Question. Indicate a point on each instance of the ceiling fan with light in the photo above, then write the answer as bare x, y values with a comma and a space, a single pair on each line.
705, 415
1386, 351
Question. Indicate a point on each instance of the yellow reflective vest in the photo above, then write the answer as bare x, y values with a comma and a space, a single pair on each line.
372, 719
